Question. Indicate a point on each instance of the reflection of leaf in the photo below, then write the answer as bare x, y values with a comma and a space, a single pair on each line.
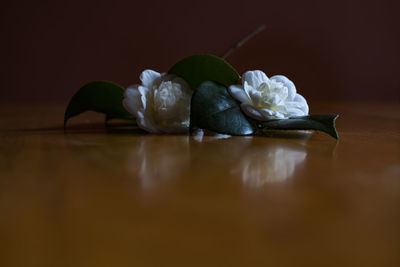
199, 68
100, 96
320, 122
213, 109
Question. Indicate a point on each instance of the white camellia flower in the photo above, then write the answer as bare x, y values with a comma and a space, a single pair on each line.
264, 98
161, 104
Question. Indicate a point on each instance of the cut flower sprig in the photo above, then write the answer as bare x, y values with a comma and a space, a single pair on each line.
203, 92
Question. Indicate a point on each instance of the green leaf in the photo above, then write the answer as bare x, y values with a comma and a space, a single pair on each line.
100, 96
199, 68
319, 122
212, 108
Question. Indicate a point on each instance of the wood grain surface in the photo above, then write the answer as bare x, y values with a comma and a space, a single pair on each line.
96, 196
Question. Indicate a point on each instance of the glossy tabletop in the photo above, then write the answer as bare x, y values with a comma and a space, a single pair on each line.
116, 196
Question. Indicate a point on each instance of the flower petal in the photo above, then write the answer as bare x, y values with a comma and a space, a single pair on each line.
144, 95
255, 95
179, 80
301, 100
294, 112
252, 112
135, 103
287, 83
148, 77
239, 94
299, 103
145, 123
254, 78
270, 114
261, 114
248, 88
132, 102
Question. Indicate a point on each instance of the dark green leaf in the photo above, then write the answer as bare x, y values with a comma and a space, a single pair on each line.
213, 109
319, 122
199, 68
99, 96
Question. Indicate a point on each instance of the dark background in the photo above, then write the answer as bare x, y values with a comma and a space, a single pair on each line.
340, 50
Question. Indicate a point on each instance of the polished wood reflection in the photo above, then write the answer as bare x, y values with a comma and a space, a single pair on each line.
96, 196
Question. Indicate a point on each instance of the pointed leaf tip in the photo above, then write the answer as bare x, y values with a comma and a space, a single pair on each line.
318, 122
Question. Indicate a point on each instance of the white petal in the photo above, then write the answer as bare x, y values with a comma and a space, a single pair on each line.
255, 96
184, 85
248, 88
300, 99
254, 78
148, 77
269, 114
145, 95
278, 95
144, 122
287, 83
251, 112
261, 114
132, 90
132, 101
300, 103
182, 82
239, 94
294, 112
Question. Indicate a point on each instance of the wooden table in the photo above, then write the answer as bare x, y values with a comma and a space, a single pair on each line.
93, 196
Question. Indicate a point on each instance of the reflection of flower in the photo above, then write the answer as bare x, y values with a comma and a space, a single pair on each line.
158, 159
161, 104
275, 164
264, 98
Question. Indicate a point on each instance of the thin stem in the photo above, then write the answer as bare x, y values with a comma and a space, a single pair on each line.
243, 41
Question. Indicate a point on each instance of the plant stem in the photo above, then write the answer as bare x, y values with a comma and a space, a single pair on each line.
243, 41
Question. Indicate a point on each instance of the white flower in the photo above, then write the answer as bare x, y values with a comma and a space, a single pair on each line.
161, 104
264, 98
